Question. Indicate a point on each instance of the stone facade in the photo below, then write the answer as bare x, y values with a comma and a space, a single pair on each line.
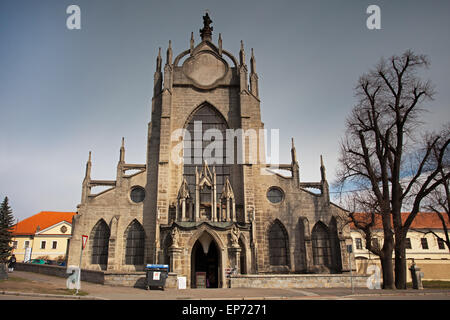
208, 217
299, 281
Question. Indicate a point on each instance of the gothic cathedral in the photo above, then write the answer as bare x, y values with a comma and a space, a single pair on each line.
199, 209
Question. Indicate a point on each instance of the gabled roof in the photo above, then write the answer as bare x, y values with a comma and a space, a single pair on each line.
423, 220
43, 220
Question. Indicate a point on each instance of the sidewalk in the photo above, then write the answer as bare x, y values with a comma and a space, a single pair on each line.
106, 292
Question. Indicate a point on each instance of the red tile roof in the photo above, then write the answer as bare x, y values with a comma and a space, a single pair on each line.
423, 220
43, 219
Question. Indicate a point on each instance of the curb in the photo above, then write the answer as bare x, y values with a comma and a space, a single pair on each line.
398, 294
48, 295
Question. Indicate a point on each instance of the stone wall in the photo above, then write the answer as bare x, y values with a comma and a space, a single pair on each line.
432, 269
136, 279
297, 281
57, 271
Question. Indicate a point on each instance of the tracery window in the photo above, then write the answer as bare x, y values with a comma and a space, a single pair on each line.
134, 252
194, 148
99, 243
278, 245
321, 245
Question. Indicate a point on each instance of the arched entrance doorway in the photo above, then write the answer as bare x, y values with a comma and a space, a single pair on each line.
205, 263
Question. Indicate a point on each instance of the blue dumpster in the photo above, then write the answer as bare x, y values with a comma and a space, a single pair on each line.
156, 275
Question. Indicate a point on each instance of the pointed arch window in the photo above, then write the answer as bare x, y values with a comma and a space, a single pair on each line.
321, 245
135, 239
278, 245
100, 243
194, 148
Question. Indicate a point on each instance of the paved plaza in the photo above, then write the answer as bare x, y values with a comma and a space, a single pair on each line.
32, 285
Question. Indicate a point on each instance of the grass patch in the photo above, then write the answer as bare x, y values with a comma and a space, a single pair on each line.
14, 279
432, 284
14, 283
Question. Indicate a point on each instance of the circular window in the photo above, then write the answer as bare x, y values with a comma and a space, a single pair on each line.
275, 195
137, 194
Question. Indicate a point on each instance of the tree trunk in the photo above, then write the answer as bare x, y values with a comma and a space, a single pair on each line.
387, 270
3, 271
400, 264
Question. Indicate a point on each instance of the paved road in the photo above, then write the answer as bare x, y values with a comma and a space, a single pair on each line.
105, 292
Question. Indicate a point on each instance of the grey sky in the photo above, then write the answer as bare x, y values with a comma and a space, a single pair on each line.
63, 92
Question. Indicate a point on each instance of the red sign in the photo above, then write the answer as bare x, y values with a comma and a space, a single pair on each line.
84, 241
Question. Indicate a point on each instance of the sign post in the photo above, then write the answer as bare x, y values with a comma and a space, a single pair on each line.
350, 250
83, 245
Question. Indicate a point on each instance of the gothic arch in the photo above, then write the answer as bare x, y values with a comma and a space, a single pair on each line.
99, 244
215, 242
321, 246
165, 245
211, 118
134, 243
198, 234
243, 263
205, 104
278, 242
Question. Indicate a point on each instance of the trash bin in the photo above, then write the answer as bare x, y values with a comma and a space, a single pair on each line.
156, 275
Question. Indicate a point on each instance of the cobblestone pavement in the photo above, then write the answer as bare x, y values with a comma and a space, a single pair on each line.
106, 292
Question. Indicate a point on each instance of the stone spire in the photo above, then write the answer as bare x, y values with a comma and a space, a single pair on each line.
87, 176
183, 192
324, 182
192, 43
169, 53
322, 170
122, 151
253, 76
220, 44
227, 190
293, 152
158, 61
206, 32
294, 165
242, 54
252, 63
86, 188
157, 78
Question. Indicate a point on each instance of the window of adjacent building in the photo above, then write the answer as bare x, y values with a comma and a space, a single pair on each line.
375, 243
424, 243
54, 244
14, 244
408, 243
43, 244
441, 244
358, 243
26, 244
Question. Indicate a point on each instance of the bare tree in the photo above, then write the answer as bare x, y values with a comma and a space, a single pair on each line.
381, 133
439, 199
